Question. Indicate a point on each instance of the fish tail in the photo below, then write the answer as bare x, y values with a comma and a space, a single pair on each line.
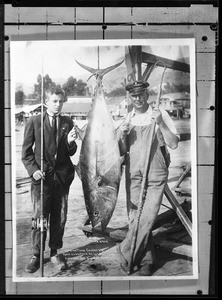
99, 72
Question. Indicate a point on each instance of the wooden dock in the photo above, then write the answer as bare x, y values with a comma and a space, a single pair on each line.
96, 255
168, 232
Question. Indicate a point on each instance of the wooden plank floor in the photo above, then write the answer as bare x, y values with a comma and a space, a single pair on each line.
96, 256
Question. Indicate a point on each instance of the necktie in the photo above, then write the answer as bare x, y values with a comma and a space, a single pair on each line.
54, 128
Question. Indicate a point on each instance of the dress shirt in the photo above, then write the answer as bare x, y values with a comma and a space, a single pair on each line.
51, 117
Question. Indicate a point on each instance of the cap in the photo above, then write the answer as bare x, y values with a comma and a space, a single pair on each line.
137, 87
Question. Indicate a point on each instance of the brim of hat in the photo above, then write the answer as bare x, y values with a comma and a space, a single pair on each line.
137, 92
136, 86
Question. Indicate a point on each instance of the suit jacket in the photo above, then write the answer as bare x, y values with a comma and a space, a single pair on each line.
60, 164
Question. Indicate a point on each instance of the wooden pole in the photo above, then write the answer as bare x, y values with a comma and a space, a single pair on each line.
144, 183
178, 209
41, 191
98, 59
188, 168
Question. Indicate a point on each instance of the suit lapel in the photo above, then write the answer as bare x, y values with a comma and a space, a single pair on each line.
47, 126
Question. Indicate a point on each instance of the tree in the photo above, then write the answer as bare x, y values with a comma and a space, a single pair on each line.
47, 83
73, 87
19, 96
175, 88
120, 91
70, 86
81, 88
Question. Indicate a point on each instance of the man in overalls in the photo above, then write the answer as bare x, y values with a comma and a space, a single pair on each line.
133, 142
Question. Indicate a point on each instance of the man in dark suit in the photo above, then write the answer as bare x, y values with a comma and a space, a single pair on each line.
59, 137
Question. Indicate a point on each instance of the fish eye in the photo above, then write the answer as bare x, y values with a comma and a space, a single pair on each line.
95, 213
99, 181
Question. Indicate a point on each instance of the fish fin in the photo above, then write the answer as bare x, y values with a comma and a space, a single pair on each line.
86, 223
78, 170
87, 220
91, 76
81, 132
122, 160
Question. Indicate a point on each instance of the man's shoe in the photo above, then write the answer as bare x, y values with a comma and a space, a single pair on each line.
33, 265
145, 270
123, 261
58, 262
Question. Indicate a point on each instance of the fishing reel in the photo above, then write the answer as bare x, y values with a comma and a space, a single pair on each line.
36, 224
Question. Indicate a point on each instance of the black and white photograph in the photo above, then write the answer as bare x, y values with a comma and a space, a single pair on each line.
104, 179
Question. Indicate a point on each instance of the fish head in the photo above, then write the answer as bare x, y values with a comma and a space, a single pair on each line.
102, 204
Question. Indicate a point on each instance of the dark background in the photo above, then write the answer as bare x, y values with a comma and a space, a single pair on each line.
213, 279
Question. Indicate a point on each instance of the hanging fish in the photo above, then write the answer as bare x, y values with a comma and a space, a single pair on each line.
100, 161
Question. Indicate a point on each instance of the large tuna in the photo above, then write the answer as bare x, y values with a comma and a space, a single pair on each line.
99, 163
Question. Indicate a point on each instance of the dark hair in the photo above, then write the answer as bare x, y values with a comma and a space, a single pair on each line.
57, 90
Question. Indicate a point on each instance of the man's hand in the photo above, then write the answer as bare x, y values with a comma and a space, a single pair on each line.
125, 129
157, 116
72, 135
37, 175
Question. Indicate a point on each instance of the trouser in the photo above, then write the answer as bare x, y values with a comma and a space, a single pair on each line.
55, 199
157, 179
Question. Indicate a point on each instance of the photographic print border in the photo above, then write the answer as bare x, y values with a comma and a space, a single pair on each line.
90, 43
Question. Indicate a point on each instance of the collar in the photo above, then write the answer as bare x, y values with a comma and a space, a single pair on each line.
51, 115
148, 111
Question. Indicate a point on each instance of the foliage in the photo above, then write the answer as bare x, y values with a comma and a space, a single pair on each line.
47, 83
19, 96
169, 88
80, 87
73, 87
120, 91
70, 86
175, 88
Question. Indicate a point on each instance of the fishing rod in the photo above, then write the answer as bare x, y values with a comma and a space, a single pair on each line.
41, 190
98, 59
143, 190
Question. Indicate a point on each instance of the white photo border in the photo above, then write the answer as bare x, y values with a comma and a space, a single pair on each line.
190, 42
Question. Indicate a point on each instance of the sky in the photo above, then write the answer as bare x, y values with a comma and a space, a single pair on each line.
57, 58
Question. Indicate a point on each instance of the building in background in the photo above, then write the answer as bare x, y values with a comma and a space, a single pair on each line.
77, 107
177, 104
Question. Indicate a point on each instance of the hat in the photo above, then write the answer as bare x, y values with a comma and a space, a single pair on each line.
137, 87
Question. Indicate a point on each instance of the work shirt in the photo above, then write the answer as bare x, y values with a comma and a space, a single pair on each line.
145, 119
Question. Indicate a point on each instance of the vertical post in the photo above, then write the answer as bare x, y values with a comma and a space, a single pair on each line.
137, 57
41, 191
98, 58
